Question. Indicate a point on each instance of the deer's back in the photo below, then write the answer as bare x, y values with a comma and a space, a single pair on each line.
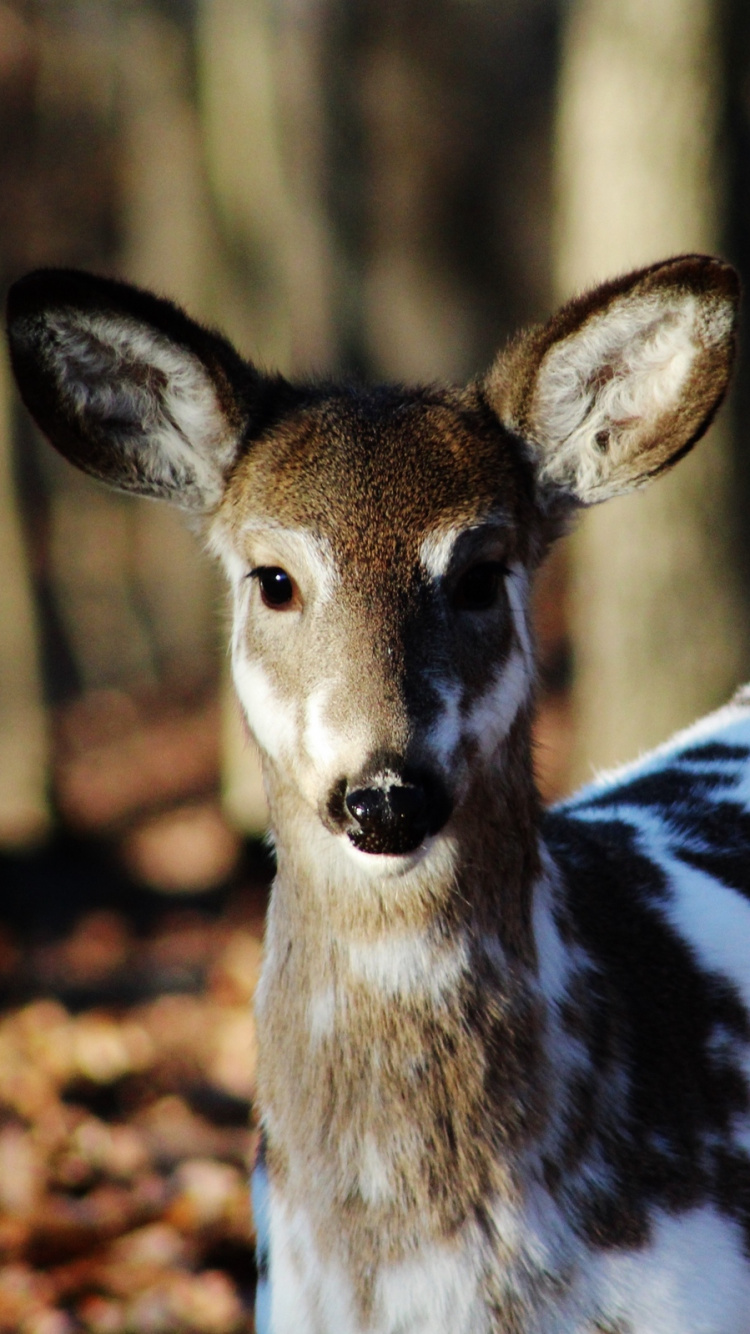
655, 864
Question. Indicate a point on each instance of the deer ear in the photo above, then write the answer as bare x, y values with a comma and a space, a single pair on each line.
128, 388
622, 381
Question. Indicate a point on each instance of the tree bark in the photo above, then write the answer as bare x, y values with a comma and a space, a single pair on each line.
24, 758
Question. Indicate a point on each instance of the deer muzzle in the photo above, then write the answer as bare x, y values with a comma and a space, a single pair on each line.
389, 814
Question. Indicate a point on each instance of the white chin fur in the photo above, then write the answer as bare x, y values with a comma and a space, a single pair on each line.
386, 864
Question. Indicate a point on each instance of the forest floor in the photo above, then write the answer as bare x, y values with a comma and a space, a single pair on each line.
127, 1054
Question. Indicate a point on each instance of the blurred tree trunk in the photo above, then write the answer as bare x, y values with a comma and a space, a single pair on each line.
439, 107
258, 91
24, 813
24, 750
167, 243
659, 626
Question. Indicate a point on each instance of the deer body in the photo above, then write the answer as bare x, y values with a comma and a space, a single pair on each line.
503, 1056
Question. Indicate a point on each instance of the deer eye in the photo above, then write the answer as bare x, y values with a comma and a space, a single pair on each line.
478, 588
277, 589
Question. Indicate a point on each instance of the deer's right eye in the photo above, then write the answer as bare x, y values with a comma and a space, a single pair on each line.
278, 590
479, 586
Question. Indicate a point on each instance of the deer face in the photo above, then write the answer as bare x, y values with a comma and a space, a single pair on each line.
379, 542
378, 547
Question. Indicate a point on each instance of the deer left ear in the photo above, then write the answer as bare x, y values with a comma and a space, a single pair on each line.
130, 389
621, 383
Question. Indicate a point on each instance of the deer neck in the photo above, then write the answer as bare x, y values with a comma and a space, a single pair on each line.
400, 1028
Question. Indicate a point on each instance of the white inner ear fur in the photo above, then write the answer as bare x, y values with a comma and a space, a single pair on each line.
619, 375
175, 430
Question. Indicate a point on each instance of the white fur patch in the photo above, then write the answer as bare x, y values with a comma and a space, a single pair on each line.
436, 1292
272, 720
558, 964
305, 553
322, 1014
375, 1184
306, 556
555, 959
436, 551
323, 745
308, 1294
494, 954
376, 866
693, 1278
715, 920
517, 589
235, 566
407, 964
415, 873
492, 715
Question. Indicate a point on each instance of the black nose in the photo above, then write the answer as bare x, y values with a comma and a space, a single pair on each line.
392, 819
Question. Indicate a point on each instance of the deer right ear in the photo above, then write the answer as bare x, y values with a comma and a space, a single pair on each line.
128, 388
622, 381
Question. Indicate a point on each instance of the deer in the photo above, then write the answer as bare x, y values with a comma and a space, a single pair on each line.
504, 1053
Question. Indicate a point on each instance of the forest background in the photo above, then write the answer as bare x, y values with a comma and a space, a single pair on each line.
382, 189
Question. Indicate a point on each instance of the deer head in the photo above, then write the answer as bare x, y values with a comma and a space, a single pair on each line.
379, 542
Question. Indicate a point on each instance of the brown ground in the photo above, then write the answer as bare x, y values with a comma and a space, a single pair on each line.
126, 1078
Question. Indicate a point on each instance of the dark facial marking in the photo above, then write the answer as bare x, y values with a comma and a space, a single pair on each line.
478, 587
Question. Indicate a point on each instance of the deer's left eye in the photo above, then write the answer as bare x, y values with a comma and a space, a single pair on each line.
278, 590
478, 588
